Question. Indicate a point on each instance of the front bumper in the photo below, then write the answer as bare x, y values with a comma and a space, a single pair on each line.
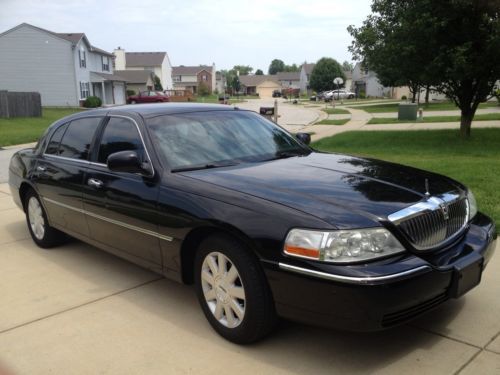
380, 295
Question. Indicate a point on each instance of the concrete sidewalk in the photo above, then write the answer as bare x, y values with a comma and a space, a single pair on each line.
77, 310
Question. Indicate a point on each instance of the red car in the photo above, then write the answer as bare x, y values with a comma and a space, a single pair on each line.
148, 97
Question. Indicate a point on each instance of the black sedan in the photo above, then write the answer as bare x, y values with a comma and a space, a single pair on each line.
262, 224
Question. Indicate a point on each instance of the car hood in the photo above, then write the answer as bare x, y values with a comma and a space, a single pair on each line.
343, 190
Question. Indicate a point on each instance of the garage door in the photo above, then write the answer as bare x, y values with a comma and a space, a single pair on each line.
266, 88
119, 93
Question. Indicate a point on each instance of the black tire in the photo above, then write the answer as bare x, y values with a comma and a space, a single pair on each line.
51, 237
259, 314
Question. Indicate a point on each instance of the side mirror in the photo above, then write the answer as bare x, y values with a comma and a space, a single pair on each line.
304, 137
128, 161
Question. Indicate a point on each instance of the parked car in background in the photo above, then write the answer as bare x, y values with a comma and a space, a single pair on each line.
277, 94
340, 94
148, 97
262, 224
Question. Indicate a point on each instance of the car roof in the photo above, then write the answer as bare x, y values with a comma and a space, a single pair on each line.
151, 110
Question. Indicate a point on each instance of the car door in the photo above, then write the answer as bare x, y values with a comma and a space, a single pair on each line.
121, 207
60, 170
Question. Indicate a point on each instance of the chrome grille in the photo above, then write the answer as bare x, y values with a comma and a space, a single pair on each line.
431, 223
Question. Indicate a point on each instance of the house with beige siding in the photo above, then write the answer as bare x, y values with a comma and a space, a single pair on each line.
65, 68
137, 80
190, 77
262, 85
157, 63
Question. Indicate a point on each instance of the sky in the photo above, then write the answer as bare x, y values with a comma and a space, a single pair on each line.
194, 32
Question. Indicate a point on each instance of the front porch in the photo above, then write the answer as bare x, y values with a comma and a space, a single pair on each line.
109, 88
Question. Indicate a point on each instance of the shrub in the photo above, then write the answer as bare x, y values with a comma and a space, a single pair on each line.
496, 93
92, 102
362, 94
203, 89
130, 92
404, 97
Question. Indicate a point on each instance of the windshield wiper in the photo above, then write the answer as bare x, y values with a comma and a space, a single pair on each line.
202, 166
288, 154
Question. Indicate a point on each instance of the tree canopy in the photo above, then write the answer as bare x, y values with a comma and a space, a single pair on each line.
323, 74
278, 65
451, 45
259, 72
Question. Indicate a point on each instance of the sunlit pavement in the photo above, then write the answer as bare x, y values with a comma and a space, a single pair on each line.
77, 310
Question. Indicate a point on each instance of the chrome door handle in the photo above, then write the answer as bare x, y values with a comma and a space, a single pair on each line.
95, 183
41, 169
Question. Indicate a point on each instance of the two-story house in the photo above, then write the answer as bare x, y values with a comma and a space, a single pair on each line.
157, 63
289, 80
305, 76
366, 83
190, 77
63, 67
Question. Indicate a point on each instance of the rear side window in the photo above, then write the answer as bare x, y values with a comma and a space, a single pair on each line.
77, 139
53, 146
120, 134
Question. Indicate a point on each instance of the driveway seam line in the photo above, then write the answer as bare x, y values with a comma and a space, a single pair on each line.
468, 362
81, 305
447, 337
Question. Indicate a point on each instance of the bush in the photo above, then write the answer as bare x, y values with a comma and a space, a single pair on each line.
362, 95
404, 97
203, 89
92, 102
496, 93
130, 92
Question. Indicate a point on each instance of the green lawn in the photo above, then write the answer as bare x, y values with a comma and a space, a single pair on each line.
14, 131
390, 120
474, 162
441, 106
333, 122
336, 111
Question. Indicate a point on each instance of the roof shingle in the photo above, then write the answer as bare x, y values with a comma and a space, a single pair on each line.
134, 59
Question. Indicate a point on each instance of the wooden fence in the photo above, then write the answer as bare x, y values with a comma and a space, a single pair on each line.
20, 104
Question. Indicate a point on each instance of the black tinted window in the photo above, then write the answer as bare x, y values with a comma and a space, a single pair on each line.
53, 145
120, 135
77, 139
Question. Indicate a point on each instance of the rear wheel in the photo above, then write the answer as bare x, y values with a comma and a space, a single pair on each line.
132, 102
41, 232
233, 291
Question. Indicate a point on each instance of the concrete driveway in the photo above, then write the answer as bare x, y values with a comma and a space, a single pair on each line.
77, 310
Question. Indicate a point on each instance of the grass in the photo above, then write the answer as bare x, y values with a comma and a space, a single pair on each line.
441, 106
333, 122
14, 131
390, 120
336, 111
474, 162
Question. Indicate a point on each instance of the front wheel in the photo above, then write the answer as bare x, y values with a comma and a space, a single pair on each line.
233, 291
41, 232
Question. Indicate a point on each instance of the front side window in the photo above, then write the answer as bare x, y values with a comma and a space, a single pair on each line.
203, 138
53, 146
78, 137
120, 134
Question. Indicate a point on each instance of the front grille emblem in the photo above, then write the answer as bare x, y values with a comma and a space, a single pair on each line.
445, 211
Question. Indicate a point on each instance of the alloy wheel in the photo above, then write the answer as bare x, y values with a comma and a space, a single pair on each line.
36, 219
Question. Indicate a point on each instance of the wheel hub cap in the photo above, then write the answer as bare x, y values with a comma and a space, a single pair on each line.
35, 215
223, 289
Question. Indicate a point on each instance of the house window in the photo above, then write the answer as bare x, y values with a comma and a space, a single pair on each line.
84, 90
105, 63
83, 58
204, 77
177, 78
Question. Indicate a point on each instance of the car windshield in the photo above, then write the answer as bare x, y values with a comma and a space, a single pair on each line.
220, 138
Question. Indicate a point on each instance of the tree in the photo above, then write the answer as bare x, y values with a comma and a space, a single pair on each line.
291, 68
323, 74
203, 89
235, 84
259, 72
157, 83
347, 66
276, 66
451, 45
243, 70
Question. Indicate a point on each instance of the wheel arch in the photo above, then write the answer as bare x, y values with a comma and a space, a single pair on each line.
191, 243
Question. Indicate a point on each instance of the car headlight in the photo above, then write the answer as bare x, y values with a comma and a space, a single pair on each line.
472, 204
342, 246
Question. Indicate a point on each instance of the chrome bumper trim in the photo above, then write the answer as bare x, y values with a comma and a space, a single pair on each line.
351, 279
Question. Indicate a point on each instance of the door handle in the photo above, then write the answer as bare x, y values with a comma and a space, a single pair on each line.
41, 169
95, 183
